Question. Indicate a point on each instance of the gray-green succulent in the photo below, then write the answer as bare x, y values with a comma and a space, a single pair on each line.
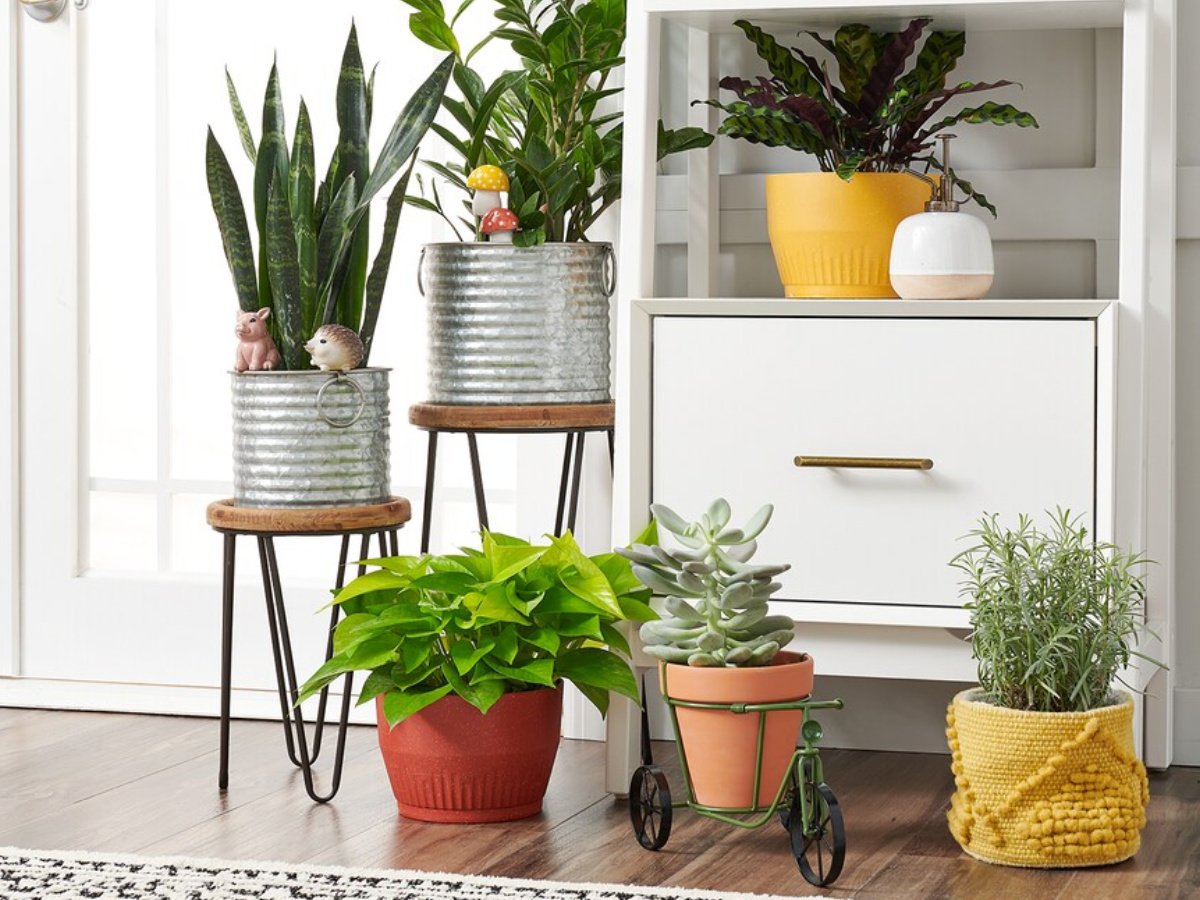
716, 599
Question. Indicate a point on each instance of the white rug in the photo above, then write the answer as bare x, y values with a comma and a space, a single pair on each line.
39, 875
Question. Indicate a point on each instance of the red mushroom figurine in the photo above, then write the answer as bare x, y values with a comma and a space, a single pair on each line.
498, 225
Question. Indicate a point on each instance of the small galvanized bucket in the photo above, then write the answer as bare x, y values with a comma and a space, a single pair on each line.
310, 439
518, 325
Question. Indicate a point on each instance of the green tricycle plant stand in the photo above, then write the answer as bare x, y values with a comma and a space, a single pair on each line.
806, 805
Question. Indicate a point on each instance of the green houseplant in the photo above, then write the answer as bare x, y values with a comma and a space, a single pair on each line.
720, 645
312, 273
879, 118
1043, 752
552, 126
477, 644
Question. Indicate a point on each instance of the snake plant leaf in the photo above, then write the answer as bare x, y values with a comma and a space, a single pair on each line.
408, 130
332, 244
371, 95
272, 159
231, 221
239, 119
302, 178
377, 280
890, 64
353, 161
284, 271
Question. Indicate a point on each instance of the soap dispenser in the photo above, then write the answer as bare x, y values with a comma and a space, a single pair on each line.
941, 254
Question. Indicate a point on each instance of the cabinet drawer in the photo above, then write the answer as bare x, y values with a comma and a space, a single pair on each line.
1005, 409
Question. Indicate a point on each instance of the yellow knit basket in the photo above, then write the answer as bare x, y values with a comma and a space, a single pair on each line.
1045, 790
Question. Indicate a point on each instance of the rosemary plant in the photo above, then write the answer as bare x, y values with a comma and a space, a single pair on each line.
1055, 615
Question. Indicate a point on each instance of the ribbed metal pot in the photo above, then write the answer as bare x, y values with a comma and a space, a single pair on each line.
518, 325
310, 439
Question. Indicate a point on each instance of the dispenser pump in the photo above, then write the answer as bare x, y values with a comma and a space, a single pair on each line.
943, 187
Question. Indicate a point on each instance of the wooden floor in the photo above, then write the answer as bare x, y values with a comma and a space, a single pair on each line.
147, 784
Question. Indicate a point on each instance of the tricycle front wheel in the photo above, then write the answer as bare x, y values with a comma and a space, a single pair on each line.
650, 809
818, 834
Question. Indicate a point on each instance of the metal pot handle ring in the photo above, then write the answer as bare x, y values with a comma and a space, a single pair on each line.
362, 401
610, 271
420, 269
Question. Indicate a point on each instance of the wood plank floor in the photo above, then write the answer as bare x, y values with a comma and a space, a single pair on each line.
147, 784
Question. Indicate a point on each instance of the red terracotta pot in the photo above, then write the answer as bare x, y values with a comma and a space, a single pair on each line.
450, 763
720, 745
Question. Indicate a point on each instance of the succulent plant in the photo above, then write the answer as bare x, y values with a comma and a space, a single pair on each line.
716, 599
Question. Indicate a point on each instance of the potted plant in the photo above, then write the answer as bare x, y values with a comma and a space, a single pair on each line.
831, 231
301, 438
467, 654
524, 319
719, 645
1045, 769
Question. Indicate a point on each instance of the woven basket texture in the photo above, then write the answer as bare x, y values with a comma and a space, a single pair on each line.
1045, 790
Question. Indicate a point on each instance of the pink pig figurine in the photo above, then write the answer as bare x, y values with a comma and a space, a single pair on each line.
256, 350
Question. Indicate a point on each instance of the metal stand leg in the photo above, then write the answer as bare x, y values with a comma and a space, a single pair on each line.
562, 485
226, 656
575, 483
477, 474
285, 714
430, 470
612, 451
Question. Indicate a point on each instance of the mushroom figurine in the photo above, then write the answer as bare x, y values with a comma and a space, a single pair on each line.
487, 182
498, 225
335, 348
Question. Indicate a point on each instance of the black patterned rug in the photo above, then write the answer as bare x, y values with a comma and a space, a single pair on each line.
47, 875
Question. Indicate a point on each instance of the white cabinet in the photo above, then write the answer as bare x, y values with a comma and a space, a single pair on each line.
1003, 410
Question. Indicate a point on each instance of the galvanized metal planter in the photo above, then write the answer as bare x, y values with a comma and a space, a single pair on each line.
310, 439
518, 325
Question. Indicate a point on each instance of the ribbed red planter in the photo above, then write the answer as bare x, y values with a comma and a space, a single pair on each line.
450, 763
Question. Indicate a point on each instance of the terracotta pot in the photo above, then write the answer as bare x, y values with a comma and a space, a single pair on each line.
833, 238
720, 745
450, 763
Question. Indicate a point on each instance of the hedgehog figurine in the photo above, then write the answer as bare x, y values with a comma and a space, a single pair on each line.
335, 348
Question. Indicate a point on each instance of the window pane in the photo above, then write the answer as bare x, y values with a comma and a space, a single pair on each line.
123, 532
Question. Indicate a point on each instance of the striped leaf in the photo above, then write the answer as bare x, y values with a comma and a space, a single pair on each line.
239, 118
231, 221
371, 95
987, 113
353, 162
285, 274
301, 183
333, 243
882, 80
272, 159
855, 48
383, 261
783, 65
937, 59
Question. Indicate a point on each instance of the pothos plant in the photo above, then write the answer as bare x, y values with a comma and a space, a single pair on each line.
879, 118
553, 125
313, 240
512, 616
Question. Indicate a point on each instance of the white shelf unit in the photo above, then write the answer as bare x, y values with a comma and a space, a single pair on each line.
1134, 422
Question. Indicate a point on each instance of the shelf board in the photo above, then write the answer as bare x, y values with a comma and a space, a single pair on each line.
980, 15
922, 309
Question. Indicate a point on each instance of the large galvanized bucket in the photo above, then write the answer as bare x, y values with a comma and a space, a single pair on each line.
518, 325
310, 439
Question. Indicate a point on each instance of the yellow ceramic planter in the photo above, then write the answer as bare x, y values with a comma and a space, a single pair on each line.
1045, 790
833, 238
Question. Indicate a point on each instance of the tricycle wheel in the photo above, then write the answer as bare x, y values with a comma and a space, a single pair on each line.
819, 844
650, 807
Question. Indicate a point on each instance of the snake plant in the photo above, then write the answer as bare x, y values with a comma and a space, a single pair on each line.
879, 118
716, 600
313, 240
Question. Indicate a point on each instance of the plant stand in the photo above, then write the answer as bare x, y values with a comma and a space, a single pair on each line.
383, 520
573, 419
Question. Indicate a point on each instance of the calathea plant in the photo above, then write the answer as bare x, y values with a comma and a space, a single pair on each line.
313, 240
716, 598
552, 125
879, 118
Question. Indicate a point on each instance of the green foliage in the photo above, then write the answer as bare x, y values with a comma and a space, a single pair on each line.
546, 124
879, 118
717, 599
513, 617
1055, 615
312, 242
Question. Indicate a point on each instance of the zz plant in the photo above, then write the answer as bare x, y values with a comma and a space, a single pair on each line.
878, 118
313, 240
1055, 615
716, 598
513, 616
553, 125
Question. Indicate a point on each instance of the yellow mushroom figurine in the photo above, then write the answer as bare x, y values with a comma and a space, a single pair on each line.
487, 182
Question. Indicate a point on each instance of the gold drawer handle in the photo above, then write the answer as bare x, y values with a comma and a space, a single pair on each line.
862, 462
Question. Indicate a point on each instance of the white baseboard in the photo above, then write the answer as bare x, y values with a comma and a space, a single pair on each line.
1187, 727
